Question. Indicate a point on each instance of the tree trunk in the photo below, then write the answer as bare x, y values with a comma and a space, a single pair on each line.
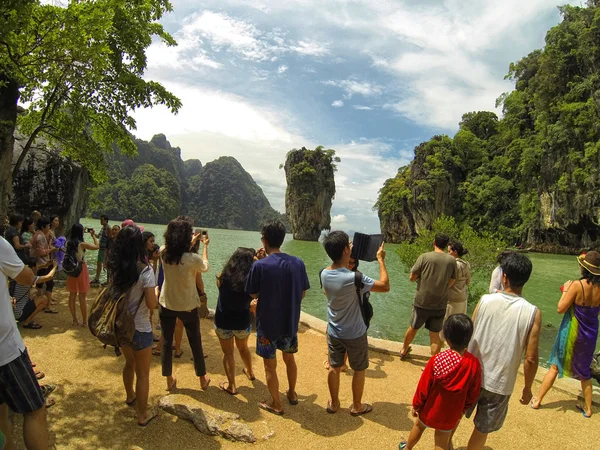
9, 96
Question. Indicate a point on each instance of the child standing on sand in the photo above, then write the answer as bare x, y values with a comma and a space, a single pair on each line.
449, 386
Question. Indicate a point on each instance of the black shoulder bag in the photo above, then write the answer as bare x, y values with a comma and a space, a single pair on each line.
366, 308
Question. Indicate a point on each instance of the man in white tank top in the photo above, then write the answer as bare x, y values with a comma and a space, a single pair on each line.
506, 327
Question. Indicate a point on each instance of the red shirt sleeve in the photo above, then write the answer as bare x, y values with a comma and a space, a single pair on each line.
474, 386
424, 386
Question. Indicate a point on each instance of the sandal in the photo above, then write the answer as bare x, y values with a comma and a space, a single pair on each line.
582, 411
402, 445
330, 410
131, 402
222, 386
32, 326
251, 378
156, 352
368, 409
50, 311
153, 416
47, 389
291, 401
178, 355
269, 408
173, 385
404, 355
50, 402
40, 375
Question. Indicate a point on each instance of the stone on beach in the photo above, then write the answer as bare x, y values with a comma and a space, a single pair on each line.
212, 423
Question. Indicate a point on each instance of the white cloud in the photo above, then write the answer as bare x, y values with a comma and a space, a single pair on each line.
282, 69
337, 104
362, 107
310, 48
352, 86
338, 220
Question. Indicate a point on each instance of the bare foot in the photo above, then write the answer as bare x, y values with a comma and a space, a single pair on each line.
204, 382
75, 323
171, 383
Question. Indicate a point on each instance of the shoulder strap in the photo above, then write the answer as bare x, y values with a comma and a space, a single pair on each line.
583, 292
320, 281
358, 283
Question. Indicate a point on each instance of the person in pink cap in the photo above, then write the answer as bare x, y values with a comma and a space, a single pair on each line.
131, 223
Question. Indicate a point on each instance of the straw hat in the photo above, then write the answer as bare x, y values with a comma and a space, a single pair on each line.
590, 261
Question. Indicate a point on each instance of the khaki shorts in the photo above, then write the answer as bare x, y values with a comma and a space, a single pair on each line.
454, 308
433, 319
357, 349
491, 411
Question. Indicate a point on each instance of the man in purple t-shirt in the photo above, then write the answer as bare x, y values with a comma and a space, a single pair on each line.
279, 281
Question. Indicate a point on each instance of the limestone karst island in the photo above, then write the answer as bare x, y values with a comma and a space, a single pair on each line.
301, 224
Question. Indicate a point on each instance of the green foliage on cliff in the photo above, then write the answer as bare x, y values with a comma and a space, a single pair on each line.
483, 249
533, 175
224, 195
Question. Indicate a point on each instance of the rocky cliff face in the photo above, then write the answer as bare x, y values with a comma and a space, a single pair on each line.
49, 183
224, 195
310, 190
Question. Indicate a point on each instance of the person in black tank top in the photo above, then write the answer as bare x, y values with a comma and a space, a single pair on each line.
232, 316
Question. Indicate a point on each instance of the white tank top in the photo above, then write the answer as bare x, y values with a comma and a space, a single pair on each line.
499, 340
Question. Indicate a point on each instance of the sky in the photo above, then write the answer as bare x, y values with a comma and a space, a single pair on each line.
368, 78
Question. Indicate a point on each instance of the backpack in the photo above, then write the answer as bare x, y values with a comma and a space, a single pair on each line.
110, 319
366, 309
71, 265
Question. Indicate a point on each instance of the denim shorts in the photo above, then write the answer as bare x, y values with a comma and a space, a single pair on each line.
142, 340
225, 335
267, 349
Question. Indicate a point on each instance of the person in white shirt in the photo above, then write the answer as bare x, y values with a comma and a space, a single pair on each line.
506, 327
19, 389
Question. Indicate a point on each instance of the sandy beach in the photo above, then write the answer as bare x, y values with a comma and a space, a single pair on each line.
90, 412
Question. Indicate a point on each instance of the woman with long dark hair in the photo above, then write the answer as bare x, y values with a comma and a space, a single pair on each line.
179, 296
575, 344
232, 316
129, 273
76, 247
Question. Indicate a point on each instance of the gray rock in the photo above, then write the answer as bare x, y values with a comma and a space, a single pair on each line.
213, 423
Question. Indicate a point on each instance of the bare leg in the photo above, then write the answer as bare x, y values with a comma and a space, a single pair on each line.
72, 308
415, 434
6, 427
129, 373
40, 304
229, 363
83, 307
98, 272
442, 440
333, 381
408, 338
49, 297
178, 336
586, 387
35, 431
242, 346
273, 383
477, 441
292, 374
142, 385
547, 383
436, 343
358, 387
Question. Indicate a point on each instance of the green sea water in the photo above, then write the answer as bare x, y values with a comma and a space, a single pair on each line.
392, 310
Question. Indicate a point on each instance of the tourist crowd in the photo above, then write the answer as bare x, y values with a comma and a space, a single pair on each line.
474, 376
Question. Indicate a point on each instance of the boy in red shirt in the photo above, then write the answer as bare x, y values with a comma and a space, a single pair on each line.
449, 386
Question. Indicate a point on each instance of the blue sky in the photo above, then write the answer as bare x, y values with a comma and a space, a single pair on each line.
368, 78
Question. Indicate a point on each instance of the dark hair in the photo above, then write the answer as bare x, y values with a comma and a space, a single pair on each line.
15, 219
75, 239
104, 217
441, 240
459, 248
356, 262
52, 217
42, 223
274, 233
178, 238
127, 251
155, 248
335, 243
503, 255
26, 223
145, 236
458, 329
517, 268
238, 267
30, 261
587, 275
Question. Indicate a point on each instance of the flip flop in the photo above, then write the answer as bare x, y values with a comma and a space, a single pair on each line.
173, 385
32, 326
178, 356
47, 389
251, 378
329, 410
156, 352
40, 375
368, 409
153, 416
531, 404
402, 445
403, 356
582, 411
131, 402
326, 365
50, 402
269, 408
50, 311
222, 386
291, 402
205, 387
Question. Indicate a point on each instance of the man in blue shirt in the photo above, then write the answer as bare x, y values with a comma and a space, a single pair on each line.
279, 281
346, 330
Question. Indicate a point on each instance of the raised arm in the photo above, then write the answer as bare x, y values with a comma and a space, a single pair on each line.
94, 246
383, 284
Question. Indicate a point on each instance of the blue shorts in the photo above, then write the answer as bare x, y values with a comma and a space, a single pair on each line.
267, 349
225, 335
142, 341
